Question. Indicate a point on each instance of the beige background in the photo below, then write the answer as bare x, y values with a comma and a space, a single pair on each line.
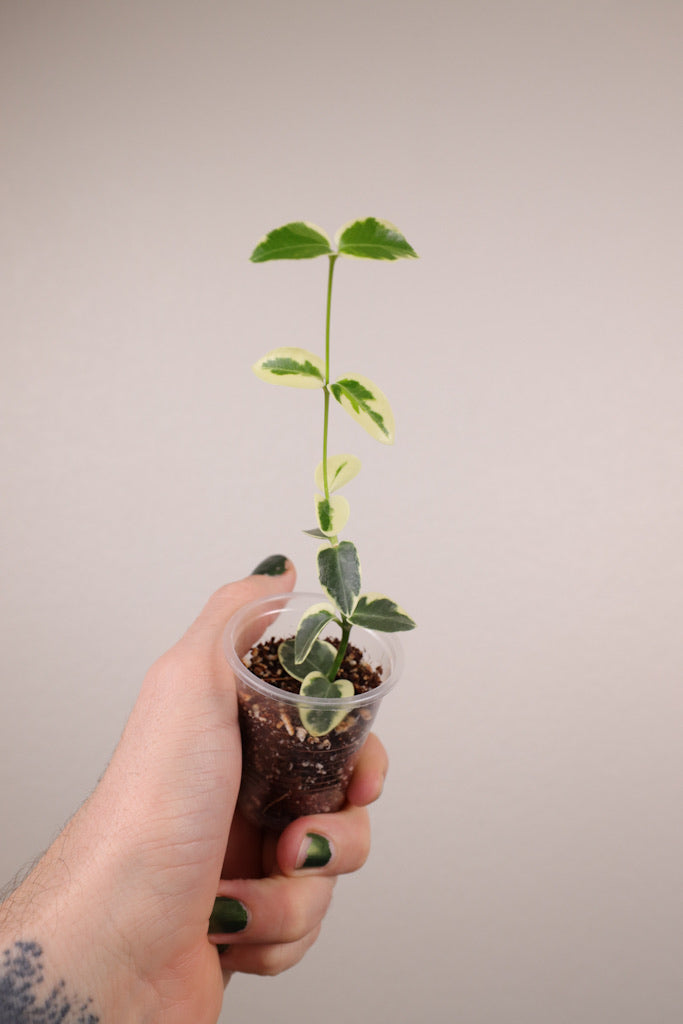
527, 858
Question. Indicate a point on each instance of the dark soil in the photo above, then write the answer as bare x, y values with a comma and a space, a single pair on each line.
264, 663
286, 771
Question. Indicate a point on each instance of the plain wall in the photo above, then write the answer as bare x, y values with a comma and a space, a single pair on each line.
527, 854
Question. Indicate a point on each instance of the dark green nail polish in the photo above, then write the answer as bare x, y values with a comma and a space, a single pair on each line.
228, 916
318, 853
222, 947
275, 565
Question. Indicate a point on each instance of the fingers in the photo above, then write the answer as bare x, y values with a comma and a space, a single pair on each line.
265, 960
370, 772
268, 924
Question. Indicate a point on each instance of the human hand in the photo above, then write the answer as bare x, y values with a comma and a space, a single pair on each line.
120, 904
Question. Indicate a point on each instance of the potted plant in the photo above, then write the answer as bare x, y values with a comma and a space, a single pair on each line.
312, 669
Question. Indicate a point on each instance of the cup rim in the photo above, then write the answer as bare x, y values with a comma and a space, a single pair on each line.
264, 604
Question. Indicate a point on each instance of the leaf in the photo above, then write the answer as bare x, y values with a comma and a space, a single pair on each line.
294, 367
296, 241
317, 533
311, 623
320, 659
364, 401
339, 574
320, 721
373, 239
333, 514
375, 611
340, 469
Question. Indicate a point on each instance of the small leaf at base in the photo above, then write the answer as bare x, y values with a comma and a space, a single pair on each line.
320, 721
320, 659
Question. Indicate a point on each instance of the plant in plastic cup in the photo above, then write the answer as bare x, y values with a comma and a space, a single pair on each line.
308, 692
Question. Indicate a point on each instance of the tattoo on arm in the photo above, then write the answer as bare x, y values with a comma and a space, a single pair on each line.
25, 996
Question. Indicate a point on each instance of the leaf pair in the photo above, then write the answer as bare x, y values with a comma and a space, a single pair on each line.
340, 578
365, 239
362, 399
313, 674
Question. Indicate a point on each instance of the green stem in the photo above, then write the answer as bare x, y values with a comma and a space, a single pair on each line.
326, 389
343, 644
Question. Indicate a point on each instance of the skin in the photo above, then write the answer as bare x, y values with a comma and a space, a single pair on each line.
120, 903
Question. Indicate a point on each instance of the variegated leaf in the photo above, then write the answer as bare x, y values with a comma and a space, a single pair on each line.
340, 469
320, 721
339, 575
375, 611
294, 367
367, 404
320, 658
333, 514
296, 241
310, 625
373, 239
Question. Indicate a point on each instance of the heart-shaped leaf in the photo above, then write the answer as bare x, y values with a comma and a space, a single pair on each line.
311, 623
340, 469
296, 241
375, 611
364, 401
320, 721
320, 658
373, 239
339, 574
294, 367
333, 514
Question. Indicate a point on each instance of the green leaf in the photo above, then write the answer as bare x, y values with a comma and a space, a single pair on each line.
320, 659
373, 239
333, 515
296, 241
320, 721
294, 367
317, 533
311, 623
364, 401
340, 469
375, 611
339, 574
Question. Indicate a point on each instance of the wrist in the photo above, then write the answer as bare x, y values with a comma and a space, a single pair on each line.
59, 954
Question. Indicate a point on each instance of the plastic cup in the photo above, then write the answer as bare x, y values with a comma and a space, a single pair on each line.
286, 772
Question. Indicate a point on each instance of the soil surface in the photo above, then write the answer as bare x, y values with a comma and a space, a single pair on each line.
264, 663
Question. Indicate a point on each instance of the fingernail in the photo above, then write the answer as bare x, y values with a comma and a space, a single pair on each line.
222, 947
228, 916
315, 851
274, 565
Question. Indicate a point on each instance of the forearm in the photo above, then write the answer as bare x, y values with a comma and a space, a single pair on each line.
31, 993
59, 960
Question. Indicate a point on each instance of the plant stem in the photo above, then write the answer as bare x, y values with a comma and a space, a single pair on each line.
343, 644
326, 389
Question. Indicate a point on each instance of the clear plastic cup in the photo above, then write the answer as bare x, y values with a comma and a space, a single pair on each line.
286, 772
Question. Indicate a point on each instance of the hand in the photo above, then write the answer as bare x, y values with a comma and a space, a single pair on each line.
121, 902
